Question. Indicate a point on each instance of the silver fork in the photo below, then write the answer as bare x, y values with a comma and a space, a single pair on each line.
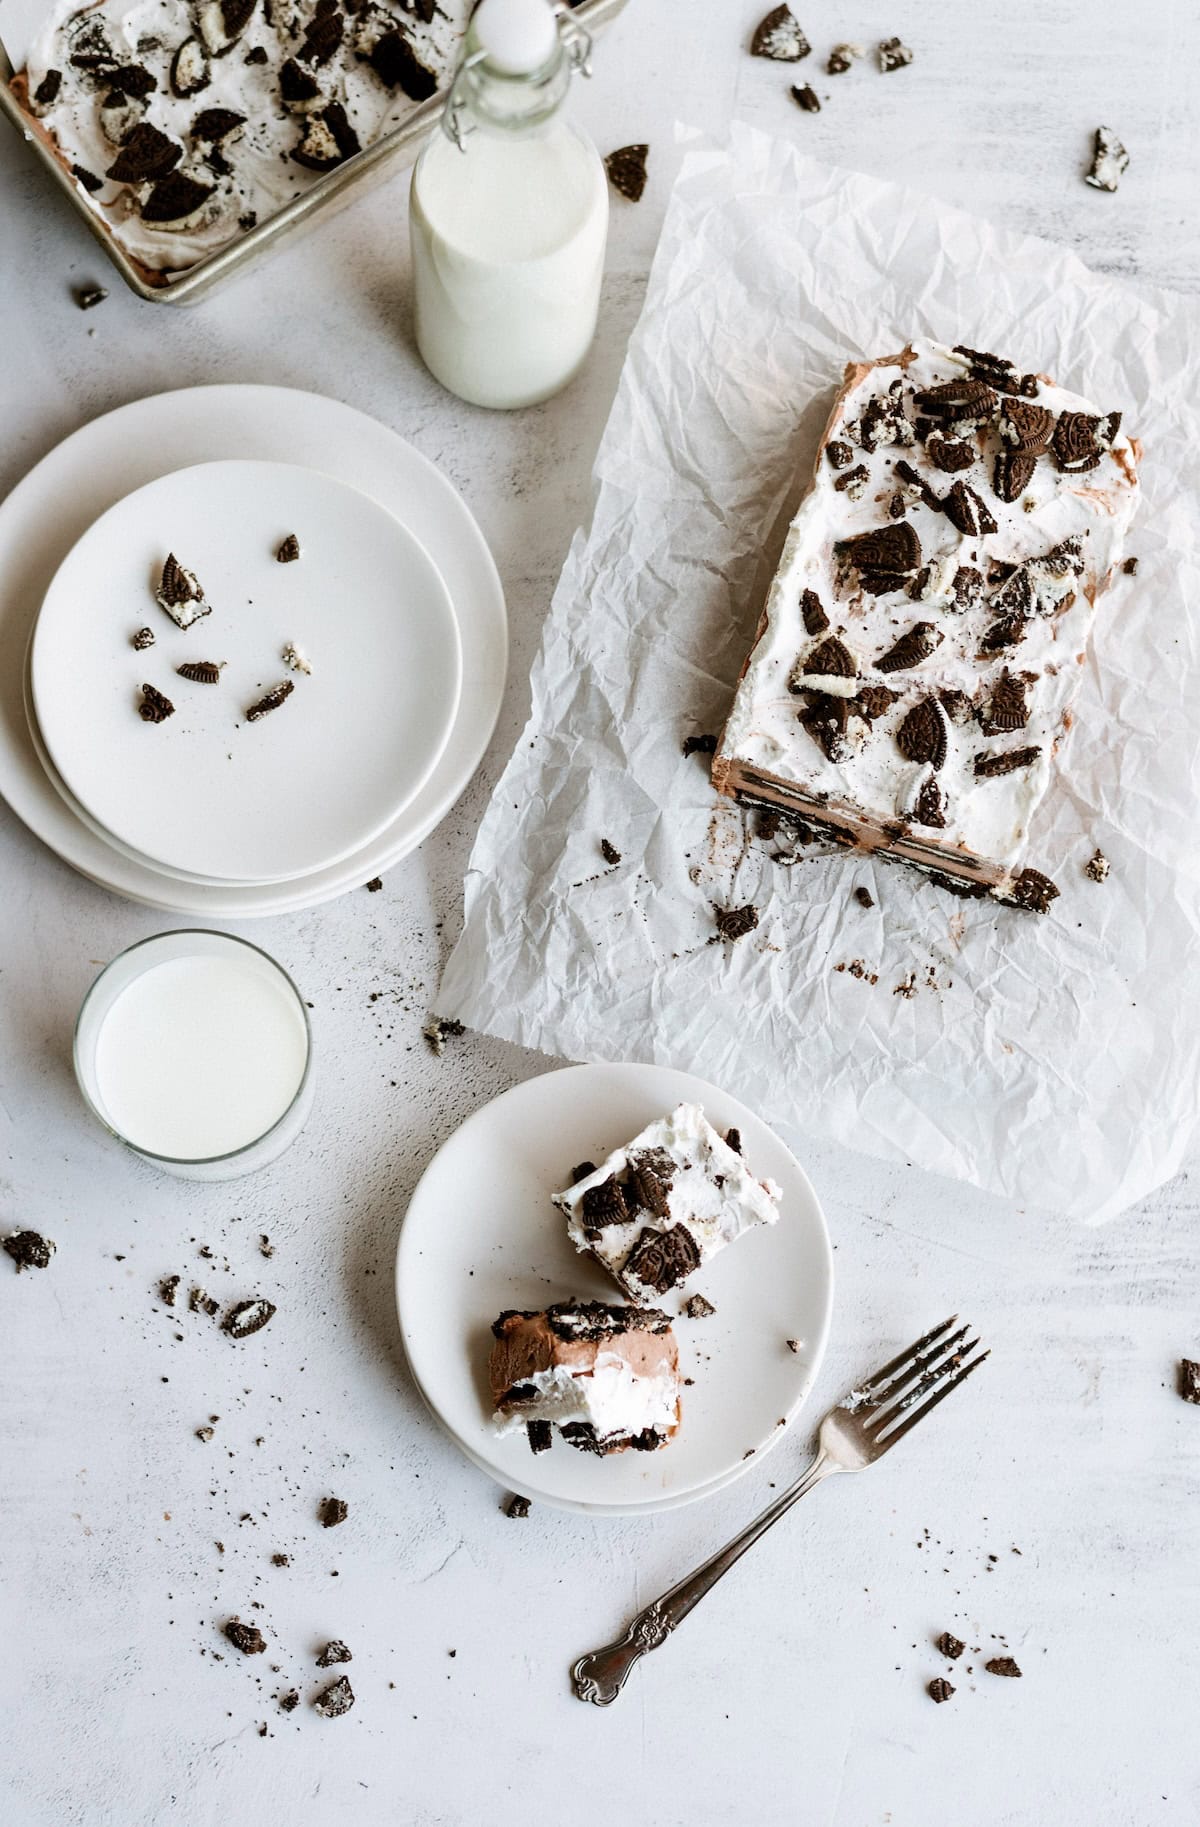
855, 1434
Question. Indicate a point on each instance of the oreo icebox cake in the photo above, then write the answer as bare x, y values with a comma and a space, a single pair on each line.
923, 640
185, 123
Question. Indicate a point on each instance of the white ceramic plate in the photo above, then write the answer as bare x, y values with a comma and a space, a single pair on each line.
481, 1235
82, 477
207, 792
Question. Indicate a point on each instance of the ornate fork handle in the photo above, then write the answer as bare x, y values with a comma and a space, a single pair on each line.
600, 1675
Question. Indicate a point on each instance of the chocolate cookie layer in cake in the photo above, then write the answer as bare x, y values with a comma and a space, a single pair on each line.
606, 1377
923, 640
666, 1202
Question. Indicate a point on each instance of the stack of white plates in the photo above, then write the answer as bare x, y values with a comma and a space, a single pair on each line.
394, 603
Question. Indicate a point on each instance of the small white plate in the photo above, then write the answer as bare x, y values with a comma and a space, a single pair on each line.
206, 792
120, 451
481, 1235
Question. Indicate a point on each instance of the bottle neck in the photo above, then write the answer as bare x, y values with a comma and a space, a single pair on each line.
497, 101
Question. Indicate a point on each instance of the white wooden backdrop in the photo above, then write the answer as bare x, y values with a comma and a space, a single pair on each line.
795, 1697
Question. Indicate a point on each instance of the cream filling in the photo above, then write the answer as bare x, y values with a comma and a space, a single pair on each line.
609, 1398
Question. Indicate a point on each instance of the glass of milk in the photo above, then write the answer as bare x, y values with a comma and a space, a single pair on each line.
508, 216
193, 1048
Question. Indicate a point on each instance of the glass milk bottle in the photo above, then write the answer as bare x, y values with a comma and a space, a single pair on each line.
509, 214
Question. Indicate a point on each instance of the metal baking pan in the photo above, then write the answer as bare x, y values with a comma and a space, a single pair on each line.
336, 188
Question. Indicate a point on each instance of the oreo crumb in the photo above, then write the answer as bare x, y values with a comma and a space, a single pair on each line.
290, 1701
609, 852
582, 1171
1109, 161
336, 1699
29, 1250
204, 1433
154, 706
246, 1637
699, 745
270, 701
698, 1308
89, 296
940, 1689
141, 639
950, 1646
335, 1651
626, 170
248, 1317
795, 1345
735, 922
779, 37
841, 58
374, 885
539, 1436
265, 1246
516, 1507
733, 1139
1130, 567
893, 55
91, 183
441, 1028
1189, 1380
289, 551
168, 1288
806, 97
1096, 867
1002, 1665
281, 1560
864, 897
331, 1511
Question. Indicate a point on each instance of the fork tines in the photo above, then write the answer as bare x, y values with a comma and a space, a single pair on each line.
905, 1390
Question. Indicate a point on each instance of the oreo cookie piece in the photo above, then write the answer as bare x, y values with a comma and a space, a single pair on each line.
201, 672
177, 201
853, 482
966, 509
146, 155
298, 89
626, 168
940, 1689
1033, 891
1110, 161
247, 1318
143, 638
778, 36
246, 1637
841, 58
662, 1259
893, 55
335, 1651
28, 1250
930, 807
605, 1204
1005, 632
1025, 426
189, 69
1012, 474
134, 79
812, 613
222, 22
91, 183
331, 1511
89, 296
212, 125
874, 701
1007, 710
539, 1436
1076, 445
322, 37
398, 67
154, 707
921, 735
317, 148
838, 453
46, 93
1189, 1380
1010, 761
807, 98
336, 1700
922, 639
257, 54
889, 550
966, 403
277, 695
118, 115
289, 550
949, 454
735, 922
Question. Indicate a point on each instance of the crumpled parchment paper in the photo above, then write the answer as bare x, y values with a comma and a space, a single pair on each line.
1054, 1060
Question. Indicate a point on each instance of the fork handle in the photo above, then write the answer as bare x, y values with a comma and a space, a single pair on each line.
600, 1675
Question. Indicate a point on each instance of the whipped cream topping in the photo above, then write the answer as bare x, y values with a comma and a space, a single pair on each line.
250, 171
981, 755
707, 1189
610, 1397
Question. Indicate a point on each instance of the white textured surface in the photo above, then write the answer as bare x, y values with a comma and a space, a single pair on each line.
794, 1696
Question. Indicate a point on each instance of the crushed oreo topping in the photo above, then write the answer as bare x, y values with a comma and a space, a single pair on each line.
662, 1259
1007, 631
874, 701
28, 1250
145, 155
736, 922
779, 37
247, 1318
582, 1171
439, 1028
176, 198
838, 454
812, 613
626, 170
278, 694
331, 1511
853, 482
1007, 708
154, 706
46, 93
605, 1204
930, 806
289, 1701
922, 639
398, 67
189, 69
